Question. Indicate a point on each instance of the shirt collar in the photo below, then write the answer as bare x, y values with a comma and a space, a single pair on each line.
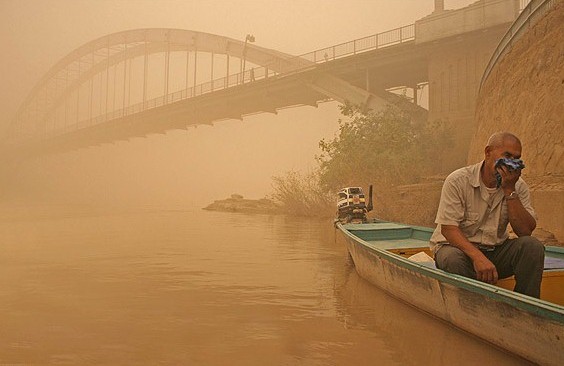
475, 171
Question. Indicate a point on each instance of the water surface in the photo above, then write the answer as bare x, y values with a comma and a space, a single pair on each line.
183, 286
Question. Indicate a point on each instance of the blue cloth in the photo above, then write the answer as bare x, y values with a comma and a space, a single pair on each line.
511, 164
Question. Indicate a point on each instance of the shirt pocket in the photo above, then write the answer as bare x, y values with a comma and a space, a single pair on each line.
470, 218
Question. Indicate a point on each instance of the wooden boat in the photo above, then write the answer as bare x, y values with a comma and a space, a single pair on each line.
528, 327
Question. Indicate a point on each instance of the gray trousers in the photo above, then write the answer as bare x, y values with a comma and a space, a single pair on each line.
522, 257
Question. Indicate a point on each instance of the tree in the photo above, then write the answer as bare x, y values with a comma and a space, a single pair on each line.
382, 148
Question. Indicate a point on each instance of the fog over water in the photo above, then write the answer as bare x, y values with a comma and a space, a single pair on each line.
205, 163
106, 257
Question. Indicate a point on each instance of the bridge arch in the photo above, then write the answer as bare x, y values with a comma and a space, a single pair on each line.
101, 54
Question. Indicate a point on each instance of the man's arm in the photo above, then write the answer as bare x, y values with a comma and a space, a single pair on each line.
522, 222
484, 268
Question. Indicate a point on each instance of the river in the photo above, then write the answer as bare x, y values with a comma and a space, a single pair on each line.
181, 286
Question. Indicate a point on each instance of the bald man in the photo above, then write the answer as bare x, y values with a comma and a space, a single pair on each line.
471, 237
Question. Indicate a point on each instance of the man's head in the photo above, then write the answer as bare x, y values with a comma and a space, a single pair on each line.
502, 145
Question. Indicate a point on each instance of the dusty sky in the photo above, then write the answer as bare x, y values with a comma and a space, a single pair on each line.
199, 165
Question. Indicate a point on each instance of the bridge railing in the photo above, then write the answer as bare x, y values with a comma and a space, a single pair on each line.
533, 10
290, 65
379, 40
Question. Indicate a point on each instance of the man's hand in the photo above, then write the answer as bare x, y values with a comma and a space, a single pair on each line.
522, 222
509, 178
485, 270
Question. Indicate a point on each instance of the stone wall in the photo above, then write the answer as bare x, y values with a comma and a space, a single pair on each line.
524, 94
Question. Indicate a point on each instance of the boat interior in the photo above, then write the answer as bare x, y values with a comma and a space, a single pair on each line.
412, 242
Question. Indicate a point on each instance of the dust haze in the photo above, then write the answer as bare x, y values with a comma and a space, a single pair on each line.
203, 163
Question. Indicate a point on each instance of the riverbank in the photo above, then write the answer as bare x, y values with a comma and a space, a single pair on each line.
237, 203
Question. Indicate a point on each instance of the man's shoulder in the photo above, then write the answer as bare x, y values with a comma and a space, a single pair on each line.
467, 173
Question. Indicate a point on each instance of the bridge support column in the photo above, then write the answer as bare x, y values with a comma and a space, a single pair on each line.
187, 69
167, 69
195, 72
145, 73
454, 74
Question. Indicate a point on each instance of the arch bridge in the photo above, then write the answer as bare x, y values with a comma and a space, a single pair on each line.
145, 81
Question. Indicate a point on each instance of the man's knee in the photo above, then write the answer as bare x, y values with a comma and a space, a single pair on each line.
453, 260
528, 264
530, 247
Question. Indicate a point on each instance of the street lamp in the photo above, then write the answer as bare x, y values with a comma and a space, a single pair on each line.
248, 38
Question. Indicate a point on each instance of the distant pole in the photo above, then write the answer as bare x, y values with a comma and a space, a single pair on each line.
187, 69
129, 84
90, 107
248, 38
195, 44
114, 90
124, 79
195, 71
145, 74
66, 97
439, 5
78, 96
227, 77
107, 78
167, 67
212, 71
100, 92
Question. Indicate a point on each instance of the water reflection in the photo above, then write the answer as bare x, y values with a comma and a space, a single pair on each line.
413, 337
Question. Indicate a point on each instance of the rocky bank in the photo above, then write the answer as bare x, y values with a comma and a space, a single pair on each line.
236, 203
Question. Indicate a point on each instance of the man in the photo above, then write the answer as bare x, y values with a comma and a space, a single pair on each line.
471, 237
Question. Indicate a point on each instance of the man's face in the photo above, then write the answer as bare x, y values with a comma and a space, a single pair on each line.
510, 149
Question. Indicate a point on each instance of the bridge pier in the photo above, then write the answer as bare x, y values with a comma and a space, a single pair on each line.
460, 43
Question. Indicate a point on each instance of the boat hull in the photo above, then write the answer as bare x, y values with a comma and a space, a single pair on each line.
530, 328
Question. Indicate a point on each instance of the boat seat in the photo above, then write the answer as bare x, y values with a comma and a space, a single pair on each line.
423, 258
550, 263
553, 263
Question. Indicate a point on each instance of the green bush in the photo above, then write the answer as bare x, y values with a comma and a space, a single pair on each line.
302, 195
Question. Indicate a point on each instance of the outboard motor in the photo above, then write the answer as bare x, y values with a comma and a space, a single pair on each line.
351, 205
